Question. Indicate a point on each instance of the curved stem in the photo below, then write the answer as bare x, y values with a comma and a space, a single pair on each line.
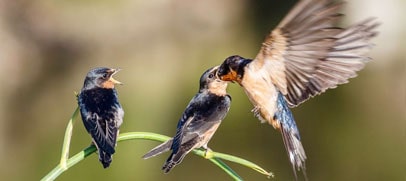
226, 168
242, 162
58, 170
66, 139
214, 156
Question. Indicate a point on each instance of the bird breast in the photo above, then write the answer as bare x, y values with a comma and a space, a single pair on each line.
261, 92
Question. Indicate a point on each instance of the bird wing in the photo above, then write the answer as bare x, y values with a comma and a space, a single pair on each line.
104, 131
201, 126
180, 132
306, 54
190, 134
194, 124
194, 130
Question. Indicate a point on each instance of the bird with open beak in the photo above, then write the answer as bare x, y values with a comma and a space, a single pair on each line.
199, 121
101, 111
305, 55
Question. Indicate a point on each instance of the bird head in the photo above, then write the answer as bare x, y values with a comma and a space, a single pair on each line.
210, 82
101, 77
232, 69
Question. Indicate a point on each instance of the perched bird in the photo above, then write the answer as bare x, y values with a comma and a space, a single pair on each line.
101, 112
305, 55
199, 121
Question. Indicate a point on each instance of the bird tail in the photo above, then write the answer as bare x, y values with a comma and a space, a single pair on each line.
178, 154
173, 160
162, 148
105, 158
291, 137
295, 150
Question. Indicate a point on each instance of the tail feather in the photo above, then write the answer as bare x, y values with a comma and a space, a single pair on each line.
291, 137
295, 150
162, 148
105, 158
173, 160
176, 157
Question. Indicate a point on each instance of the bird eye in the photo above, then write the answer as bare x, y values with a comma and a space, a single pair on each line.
105, 75
211, 76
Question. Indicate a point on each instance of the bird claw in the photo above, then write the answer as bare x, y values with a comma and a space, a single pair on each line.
208, 153
257, 113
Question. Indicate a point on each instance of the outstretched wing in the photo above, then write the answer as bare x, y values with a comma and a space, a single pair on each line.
306, 54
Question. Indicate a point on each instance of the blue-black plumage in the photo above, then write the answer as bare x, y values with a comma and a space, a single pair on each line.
199, 121
101, 111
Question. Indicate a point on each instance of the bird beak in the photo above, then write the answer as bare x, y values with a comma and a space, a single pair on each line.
230, 76
221, 74
114, 80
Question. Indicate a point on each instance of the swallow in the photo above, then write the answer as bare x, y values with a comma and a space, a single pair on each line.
101, 111
199, 121
305, 55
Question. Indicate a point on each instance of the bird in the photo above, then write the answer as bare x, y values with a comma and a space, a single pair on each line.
302, 57
101, 111
199, 121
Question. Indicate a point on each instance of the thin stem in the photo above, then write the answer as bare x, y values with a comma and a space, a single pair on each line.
67, 139
162, 138
58, 170
211, 154
242, 162
215, 157
226, 168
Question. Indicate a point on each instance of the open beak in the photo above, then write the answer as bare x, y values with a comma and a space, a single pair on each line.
114, 80
231, 76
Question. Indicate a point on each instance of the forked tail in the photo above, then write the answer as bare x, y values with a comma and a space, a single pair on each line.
291, 137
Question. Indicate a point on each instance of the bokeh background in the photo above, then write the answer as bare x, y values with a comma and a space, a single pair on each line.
354, 132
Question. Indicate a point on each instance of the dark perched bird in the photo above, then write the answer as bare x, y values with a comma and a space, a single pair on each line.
199, 121
305, 55
101, 112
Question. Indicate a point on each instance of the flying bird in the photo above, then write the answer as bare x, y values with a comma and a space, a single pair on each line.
101, 111
305, 55
199, 121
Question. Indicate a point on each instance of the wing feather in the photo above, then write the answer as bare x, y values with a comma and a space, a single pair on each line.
104, 132
315, 54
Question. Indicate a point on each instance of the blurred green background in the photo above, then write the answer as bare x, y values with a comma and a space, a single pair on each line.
354, 132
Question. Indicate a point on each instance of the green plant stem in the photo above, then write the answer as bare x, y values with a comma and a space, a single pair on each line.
242, 162
211, 154
162, 138
58, 170
226, 168
67, 139
214, 157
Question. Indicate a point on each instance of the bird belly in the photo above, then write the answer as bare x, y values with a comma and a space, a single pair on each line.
207, 135
263, 95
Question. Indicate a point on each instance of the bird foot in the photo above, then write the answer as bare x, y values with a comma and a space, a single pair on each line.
257, 114
208, 153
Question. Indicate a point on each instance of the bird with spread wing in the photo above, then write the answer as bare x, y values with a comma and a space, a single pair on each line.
305, 55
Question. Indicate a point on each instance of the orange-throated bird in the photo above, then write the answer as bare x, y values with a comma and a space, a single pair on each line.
305, 55
199, 121
101, 112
